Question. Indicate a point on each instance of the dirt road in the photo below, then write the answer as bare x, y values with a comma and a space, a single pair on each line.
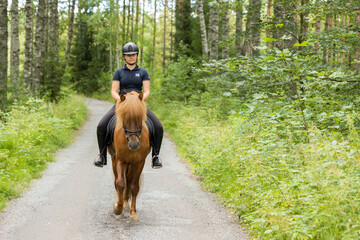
74, 199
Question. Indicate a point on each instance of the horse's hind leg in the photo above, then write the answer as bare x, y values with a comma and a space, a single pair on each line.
120, 187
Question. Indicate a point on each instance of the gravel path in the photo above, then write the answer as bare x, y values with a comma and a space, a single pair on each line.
73, 200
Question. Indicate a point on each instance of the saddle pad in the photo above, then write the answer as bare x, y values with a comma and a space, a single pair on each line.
111, 128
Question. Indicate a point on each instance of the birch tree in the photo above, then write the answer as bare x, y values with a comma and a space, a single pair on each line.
15, 48
204, 40
3, 51
214, 30
28, 44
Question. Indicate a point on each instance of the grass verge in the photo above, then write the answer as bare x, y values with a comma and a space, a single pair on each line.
29, 135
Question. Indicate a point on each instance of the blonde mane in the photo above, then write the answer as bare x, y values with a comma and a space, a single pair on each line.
132, 108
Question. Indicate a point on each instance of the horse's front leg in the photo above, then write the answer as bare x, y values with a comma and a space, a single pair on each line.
134, 188
120, 187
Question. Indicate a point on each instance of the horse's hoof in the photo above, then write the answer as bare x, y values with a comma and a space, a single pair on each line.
134, 220
118, 211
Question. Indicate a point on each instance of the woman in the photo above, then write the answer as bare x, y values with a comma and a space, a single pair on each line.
126, 79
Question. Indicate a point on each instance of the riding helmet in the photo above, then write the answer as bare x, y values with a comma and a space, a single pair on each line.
130, 48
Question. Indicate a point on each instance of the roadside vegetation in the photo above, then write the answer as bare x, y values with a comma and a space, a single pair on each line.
30, 133
276, 137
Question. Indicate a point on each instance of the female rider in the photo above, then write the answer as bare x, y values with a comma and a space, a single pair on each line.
126, 79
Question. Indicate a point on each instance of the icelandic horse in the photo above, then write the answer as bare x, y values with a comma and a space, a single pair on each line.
128, 151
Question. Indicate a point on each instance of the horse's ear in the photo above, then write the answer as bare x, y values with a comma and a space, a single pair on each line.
141, 96
122, 97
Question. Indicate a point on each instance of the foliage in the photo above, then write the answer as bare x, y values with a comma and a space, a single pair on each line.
30, 134
282, 188
276, 137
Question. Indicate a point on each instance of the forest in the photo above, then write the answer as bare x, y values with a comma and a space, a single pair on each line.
261, 97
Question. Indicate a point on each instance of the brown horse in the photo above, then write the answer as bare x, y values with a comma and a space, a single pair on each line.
130, 148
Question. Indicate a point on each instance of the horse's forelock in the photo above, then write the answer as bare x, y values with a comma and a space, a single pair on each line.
131, 109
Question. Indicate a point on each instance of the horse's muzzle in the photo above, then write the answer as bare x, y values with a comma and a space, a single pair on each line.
134, 145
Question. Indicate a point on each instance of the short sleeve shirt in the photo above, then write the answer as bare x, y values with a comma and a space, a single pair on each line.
131, 80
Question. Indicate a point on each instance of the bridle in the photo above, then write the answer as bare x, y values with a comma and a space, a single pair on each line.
129, 133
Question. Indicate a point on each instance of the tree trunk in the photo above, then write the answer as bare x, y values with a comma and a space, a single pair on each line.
128, 23
15, 49
303, 23
252, 34
317, 31
28, 45
171, 29
239, 27
214, 30
39, 50
111, 38
268, 19
71, 30
3, 52
225, 31
124, 24
132, 21
52, 82
137, 20
329, 26
357, 50
154, 40
204, 41
117, 35
142, 34
164, 48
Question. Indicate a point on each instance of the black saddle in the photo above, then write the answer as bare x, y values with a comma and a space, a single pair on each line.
111, 128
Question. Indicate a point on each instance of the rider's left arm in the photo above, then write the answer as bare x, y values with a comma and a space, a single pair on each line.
146, 89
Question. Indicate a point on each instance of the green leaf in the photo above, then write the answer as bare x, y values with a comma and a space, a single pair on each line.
266, 39
303, 44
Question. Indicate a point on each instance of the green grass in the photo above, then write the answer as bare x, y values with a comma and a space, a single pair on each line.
280, 187
29, 136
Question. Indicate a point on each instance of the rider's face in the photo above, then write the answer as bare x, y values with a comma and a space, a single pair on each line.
130, 58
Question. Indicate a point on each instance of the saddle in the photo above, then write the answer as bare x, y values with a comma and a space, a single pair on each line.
111, 127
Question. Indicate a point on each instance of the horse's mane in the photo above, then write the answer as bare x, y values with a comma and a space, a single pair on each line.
131, 109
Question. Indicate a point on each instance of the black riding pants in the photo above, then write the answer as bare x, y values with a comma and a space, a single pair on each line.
102, 129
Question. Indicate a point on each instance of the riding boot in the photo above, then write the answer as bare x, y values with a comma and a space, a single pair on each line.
101, 160
156, 163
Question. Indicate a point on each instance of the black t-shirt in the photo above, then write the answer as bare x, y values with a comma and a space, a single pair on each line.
130, 80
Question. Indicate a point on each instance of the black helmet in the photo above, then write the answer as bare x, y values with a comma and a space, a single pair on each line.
130, 48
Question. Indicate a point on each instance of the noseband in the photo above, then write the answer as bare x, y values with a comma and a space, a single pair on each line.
129, 133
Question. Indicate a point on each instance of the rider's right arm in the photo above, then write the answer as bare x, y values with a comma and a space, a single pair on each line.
115, 90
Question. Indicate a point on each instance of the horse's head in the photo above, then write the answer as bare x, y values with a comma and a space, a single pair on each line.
131, 112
